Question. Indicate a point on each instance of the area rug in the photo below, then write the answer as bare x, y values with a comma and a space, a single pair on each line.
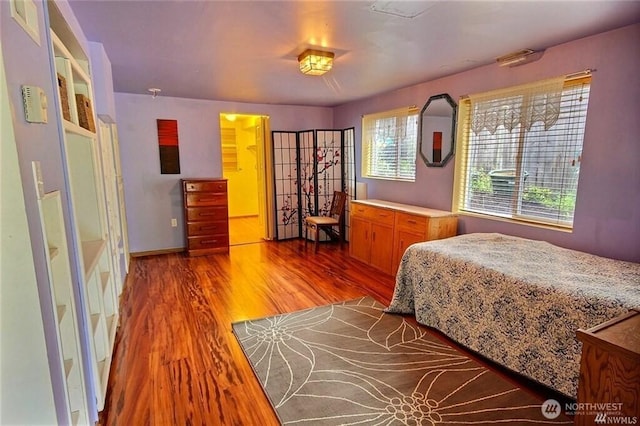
350, 363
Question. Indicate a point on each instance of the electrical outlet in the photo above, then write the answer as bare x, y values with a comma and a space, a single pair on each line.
174, 222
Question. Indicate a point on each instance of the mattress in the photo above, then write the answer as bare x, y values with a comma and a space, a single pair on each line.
516, 301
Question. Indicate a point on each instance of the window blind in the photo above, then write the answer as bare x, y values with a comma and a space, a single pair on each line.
389, 142
521, 150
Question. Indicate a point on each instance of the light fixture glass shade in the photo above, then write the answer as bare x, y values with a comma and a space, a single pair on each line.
315, 62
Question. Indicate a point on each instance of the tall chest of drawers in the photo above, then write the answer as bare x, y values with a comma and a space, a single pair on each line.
206, 216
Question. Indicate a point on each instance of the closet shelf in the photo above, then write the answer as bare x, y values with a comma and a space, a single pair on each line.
91, 251
71, 127
104, 281
53, 252
68, 366
95, 320
61, 309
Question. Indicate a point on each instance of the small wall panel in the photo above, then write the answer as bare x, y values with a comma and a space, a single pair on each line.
349, 172
329, 167
285, 159
308, 184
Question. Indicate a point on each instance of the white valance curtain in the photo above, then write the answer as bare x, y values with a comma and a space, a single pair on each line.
390, 124
389, 144
524, 105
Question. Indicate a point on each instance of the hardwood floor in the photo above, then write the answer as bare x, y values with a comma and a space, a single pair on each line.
244, 230
176, 361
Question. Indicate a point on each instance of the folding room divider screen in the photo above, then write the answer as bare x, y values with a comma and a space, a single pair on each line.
308, 166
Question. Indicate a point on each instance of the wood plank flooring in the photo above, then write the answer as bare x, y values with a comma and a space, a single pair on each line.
245, 230
176, 361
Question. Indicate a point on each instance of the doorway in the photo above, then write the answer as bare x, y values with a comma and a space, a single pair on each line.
243, 142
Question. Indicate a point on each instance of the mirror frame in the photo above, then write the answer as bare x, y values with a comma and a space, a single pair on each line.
421, 142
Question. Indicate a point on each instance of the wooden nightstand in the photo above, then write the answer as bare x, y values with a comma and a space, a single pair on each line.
610, 368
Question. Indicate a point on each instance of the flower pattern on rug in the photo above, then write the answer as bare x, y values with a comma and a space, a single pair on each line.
351, 363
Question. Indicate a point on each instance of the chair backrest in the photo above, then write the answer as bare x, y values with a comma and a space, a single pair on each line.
338, 205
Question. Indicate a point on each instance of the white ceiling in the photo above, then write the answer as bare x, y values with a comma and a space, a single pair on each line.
246, 50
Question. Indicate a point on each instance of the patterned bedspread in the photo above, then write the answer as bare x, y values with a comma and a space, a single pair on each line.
518, 302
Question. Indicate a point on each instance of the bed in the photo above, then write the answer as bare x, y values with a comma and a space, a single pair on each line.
515, 301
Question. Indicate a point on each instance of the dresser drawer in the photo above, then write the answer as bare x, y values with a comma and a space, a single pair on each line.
207, 228
215, 186
207, 214
208, 242
203, 199
411, 223
381, 216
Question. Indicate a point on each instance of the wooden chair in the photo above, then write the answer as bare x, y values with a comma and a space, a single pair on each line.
328, 223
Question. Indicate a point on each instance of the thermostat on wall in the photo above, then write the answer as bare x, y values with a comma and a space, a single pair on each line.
35, 104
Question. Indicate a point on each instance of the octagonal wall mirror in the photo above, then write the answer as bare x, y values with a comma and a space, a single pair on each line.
437, 129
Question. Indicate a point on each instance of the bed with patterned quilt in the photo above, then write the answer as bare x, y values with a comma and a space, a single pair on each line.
516, 301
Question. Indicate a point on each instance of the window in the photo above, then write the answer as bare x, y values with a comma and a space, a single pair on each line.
389, 141
520, 151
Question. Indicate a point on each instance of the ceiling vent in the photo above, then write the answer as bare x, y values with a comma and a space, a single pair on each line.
403, 9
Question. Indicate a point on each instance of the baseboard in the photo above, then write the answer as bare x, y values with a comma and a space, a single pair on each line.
156, 252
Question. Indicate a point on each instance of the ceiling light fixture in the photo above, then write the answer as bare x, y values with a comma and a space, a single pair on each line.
520, 57
315, 62
154, 91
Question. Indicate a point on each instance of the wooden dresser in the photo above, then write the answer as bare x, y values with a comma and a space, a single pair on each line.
380, 231
206, 216
610, 370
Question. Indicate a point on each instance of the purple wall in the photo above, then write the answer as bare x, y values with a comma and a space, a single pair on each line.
152, 199
607, 216
27, 63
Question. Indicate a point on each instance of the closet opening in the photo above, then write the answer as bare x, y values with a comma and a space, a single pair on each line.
244, 143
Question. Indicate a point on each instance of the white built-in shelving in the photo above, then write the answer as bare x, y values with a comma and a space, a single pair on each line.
86, 183
124, 232
61, 284
114, 201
